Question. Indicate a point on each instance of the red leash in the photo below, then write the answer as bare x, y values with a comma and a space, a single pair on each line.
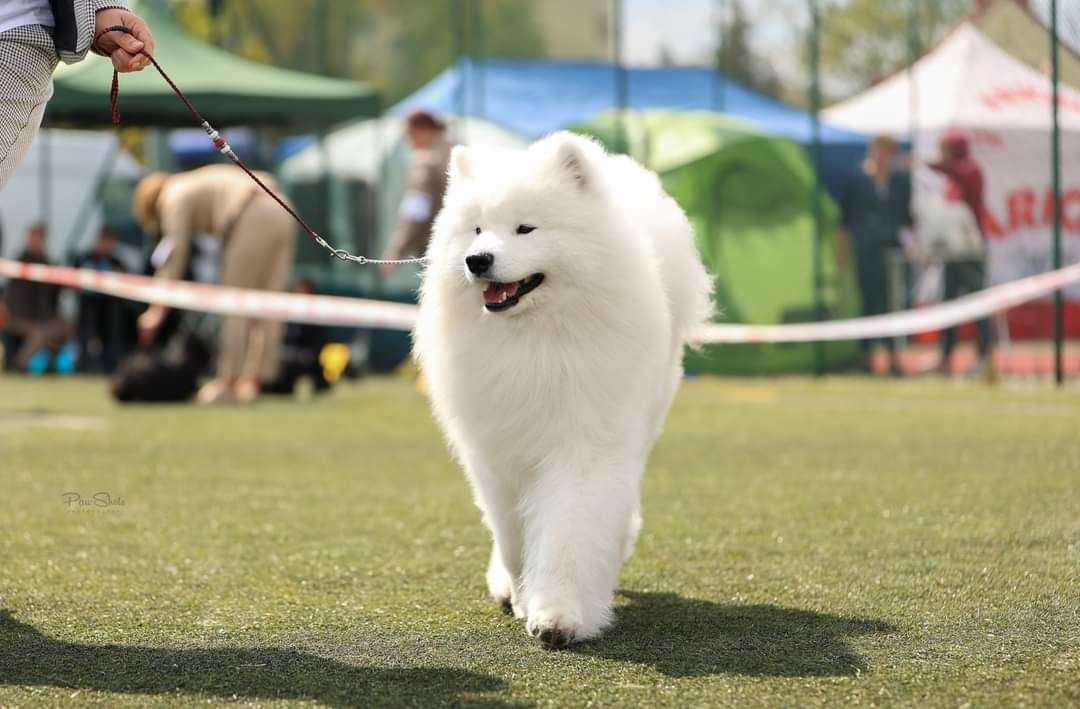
223, 147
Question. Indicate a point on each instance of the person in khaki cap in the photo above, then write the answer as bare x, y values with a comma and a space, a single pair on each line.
258, 242
424, 187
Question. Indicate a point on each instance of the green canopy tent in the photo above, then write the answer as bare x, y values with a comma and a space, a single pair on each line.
748, 196
227, 89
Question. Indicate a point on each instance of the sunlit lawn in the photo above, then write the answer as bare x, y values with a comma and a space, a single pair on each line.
837, 542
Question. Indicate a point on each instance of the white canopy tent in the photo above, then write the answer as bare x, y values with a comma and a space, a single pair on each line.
966, 82
969, 83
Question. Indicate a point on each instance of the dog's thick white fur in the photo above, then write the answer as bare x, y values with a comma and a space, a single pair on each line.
552, 398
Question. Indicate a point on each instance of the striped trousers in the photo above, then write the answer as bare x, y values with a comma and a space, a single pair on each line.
27, 60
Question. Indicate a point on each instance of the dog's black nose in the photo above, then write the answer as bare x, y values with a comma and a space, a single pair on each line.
479, 263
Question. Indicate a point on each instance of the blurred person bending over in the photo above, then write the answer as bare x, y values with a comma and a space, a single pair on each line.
33, 315
34, 36
964, 272
303, 343
424, 187
104, 324
258, 242
876, 208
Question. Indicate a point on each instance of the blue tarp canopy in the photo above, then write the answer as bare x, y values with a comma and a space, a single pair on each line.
534, 97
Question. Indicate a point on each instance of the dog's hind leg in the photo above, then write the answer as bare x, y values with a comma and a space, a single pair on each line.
502, 517
500, 583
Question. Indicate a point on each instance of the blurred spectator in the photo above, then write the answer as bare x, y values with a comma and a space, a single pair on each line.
35, 334
424, 187
965, 270
876, 207
104, 324
258, 241
300, 353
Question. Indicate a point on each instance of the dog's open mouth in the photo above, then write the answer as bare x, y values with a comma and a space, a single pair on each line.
500, 296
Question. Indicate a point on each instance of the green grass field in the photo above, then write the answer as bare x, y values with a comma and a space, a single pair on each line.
806, 543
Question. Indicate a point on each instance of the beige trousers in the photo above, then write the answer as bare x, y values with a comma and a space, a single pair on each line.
259, 254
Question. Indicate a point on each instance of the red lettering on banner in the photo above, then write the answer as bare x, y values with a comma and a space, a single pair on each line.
991, 225
999, 97
1021, 206
1070, 211
1048, 208
1020, 211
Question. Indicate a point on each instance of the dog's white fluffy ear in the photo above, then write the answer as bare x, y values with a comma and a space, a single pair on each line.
572, 155
461, 164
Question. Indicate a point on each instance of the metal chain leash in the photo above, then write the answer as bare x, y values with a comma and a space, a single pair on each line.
224, 148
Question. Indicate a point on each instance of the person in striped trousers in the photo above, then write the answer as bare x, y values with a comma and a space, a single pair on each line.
34, 36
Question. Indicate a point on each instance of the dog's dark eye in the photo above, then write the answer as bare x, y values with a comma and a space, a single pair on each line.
525, 228
477, 230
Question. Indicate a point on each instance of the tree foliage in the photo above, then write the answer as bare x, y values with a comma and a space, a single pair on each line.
397, 45
735, 55
865, 40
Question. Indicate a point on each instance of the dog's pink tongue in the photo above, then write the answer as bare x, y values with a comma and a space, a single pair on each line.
494, 292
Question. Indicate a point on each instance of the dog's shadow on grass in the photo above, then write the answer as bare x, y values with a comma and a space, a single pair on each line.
28, 657
685, 637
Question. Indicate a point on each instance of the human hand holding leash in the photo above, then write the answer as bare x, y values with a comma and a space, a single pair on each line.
125, 49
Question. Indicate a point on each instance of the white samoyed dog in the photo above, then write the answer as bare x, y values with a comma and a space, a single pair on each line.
561, 287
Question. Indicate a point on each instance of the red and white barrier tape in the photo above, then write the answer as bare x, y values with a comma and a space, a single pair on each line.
358, 312
907, 322
224, 300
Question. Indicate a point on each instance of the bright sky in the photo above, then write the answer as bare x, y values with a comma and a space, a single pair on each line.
686, 27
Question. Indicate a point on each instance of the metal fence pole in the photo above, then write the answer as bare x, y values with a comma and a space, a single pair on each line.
718, 85
818, 209
620, 74
459, 63
1055, 168
93, 199
44, 176
477, 37
914, 49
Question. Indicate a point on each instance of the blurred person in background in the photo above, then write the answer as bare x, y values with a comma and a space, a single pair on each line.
34, 328
300, 352
34, 36
876, 209
258, 241
964, 268
104, 326
424, 187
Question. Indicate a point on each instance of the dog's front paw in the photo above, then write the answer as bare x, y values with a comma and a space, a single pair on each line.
554, 628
